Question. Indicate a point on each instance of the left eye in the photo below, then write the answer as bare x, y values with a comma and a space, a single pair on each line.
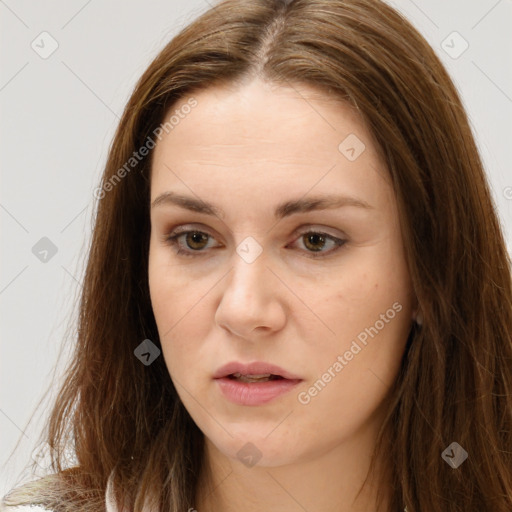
318, 240
196, 241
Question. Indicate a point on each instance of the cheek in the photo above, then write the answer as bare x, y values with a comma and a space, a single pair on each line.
353, 370
368, 311
172, 293
174, 302
368, 285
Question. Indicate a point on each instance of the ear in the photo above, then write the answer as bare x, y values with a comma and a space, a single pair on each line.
417, 315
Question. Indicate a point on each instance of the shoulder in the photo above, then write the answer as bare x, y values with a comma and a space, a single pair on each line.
25, 498
23, 508
30, 496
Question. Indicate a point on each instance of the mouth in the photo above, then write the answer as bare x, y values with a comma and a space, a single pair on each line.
253, 372
255, 383
254, 378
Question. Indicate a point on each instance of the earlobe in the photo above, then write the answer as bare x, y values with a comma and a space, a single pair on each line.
418, 317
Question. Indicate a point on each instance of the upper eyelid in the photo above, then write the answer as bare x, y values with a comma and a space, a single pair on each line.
185, 228
175, 233
172, 239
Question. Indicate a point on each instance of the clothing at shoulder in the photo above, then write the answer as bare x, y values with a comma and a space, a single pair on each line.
23, 508
110, 504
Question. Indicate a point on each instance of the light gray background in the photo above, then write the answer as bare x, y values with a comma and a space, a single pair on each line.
58, 118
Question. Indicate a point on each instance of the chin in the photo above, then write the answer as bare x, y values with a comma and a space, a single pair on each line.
254, 446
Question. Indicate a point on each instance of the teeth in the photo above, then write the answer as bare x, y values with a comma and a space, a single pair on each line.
254, 378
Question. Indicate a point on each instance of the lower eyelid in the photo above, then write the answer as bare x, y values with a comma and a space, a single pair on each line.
338, 244
172, 239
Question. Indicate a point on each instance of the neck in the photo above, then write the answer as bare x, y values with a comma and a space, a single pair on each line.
329, 481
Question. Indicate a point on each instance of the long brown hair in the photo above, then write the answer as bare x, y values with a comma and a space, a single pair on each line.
455, 383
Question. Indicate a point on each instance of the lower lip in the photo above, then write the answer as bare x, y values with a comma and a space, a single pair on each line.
254, 393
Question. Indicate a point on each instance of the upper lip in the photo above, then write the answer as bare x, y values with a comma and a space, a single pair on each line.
256, 368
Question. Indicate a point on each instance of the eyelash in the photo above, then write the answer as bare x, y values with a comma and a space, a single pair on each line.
172, 239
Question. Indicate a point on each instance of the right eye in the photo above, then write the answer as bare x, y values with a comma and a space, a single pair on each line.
194, 240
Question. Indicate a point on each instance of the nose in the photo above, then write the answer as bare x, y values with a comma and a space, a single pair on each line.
251, 305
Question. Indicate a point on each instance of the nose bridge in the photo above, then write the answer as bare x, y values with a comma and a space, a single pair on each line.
249, 298
249, 271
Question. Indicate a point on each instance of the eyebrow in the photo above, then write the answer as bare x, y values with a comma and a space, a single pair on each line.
322, 202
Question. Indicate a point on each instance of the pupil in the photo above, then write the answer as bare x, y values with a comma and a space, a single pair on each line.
314, 237
197, 238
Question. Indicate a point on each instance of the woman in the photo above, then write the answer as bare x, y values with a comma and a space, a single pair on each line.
298, 295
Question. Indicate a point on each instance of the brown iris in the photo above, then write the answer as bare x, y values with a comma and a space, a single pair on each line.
197, 238
313, 238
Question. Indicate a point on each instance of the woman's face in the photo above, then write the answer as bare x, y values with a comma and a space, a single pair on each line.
297, 262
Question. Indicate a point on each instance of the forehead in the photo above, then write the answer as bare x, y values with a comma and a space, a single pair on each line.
264, 137
298, 118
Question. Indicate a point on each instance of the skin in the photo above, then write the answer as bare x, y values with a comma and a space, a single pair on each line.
246, 149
